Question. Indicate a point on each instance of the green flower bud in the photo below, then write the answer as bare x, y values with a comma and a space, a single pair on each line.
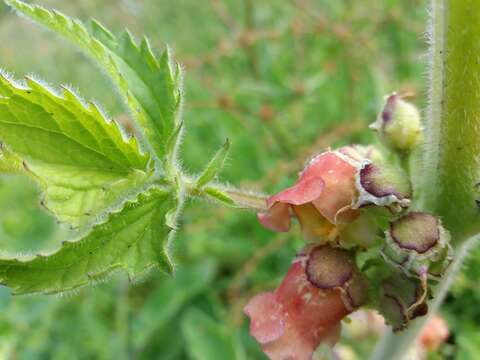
418, 244
398, 125
402, 299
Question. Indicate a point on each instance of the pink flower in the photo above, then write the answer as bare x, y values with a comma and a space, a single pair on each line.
332, 192
433, 334
321, 287
323, 196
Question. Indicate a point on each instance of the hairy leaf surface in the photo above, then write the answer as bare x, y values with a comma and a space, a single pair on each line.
82, 161
147, 83
214, 166
133, 239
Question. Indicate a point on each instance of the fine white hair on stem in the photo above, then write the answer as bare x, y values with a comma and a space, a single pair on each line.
431, 149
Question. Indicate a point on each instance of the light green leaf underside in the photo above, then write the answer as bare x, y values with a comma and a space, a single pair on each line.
133, 239
148, 84
82, 161
9, 162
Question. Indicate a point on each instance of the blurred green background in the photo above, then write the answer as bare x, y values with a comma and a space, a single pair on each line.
283, 80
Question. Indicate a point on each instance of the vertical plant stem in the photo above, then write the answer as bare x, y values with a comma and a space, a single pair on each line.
395, 346
450, 165
449, 170
431, 156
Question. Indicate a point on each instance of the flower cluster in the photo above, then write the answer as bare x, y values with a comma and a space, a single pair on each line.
349, 200
331, 192
322, 286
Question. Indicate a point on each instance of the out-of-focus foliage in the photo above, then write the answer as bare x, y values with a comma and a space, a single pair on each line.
282, 80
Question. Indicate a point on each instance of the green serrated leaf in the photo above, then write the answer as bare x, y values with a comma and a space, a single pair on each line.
151, 82
214, 166
83, 162
148, 84
133, 239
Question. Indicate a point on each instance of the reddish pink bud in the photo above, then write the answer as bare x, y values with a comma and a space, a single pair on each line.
292, 321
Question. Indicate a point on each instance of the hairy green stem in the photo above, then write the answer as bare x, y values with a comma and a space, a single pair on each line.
449, 170
247, 199
394, 346
450, 167
226, 195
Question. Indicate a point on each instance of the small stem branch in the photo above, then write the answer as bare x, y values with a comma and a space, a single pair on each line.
227, 195
248, 199
394, 346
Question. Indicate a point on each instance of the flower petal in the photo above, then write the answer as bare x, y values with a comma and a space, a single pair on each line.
311, 315
314, 226
277, 218
307, 189
339, 191
266, 317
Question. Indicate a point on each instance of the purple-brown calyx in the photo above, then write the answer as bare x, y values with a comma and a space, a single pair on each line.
369, 179
416, 231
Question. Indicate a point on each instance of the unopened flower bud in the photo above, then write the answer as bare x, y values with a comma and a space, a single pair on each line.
402, 299
382, 184
398, 124
418, 244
